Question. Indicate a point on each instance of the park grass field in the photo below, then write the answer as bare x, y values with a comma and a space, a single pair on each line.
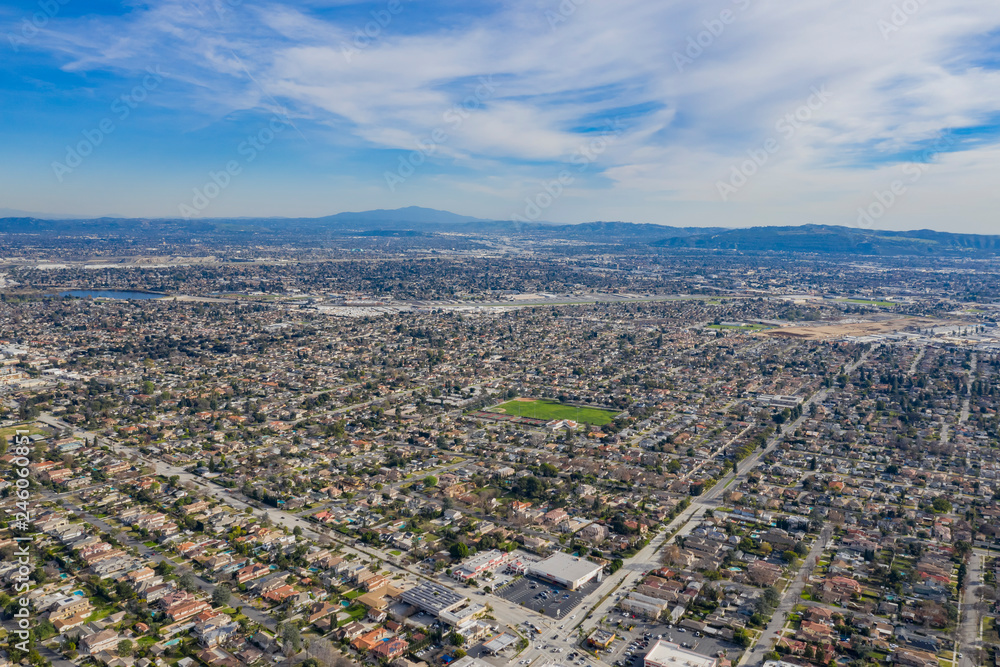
548, 410
8, 432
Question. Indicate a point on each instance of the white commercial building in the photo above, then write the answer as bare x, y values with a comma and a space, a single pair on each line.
566, 571
476, 565
665, 654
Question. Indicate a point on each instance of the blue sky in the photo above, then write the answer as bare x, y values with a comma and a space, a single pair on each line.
718, 112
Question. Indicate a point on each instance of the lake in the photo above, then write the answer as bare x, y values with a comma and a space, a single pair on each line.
110, 294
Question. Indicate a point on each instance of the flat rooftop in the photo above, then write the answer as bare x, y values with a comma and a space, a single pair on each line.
501, 642
672, 655
564, 567
432, 597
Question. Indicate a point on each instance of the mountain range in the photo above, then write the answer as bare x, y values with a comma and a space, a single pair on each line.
414, 221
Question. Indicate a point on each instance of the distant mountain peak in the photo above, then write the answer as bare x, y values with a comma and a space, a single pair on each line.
418, 214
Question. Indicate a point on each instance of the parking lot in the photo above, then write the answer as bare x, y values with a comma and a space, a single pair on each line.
546, 598
707, 646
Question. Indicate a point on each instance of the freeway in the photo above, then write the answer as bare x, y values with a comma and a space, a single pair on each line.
563, 300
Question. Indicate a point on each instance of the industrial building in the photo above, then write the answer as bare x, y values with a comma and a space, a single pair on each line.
566, 571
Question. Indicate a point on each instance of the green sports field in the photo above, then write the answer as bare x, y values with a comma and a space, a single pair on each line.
548, 410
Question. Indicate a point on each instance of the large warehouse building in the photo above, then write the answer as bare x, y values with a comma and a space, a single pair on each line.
566, 571
665, 654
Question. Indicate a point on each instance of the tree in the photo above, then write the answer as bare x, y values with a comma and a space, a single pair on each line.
325, 653
459, 550
291, 638
772, 597
125, 648
186, 581
456, 639
670, 555
941, 505
430, 481
221, 596
548, 470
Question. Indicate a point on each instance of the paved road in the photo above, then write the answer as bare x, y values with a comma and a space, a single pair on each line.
789, 599
969, 616
918, 357
747, 464
53, 657
964, 414
648, 558
205, 586
634, 568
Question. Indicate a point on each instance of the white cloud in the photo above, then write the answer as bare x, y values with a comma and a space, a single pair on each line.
556, 72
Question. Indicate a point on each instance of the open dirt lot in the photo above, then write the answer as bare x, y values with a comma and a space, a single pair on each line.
870, 328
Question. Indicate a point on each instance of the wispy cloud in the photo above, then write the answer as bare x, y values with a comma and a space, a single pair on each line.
682, 127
